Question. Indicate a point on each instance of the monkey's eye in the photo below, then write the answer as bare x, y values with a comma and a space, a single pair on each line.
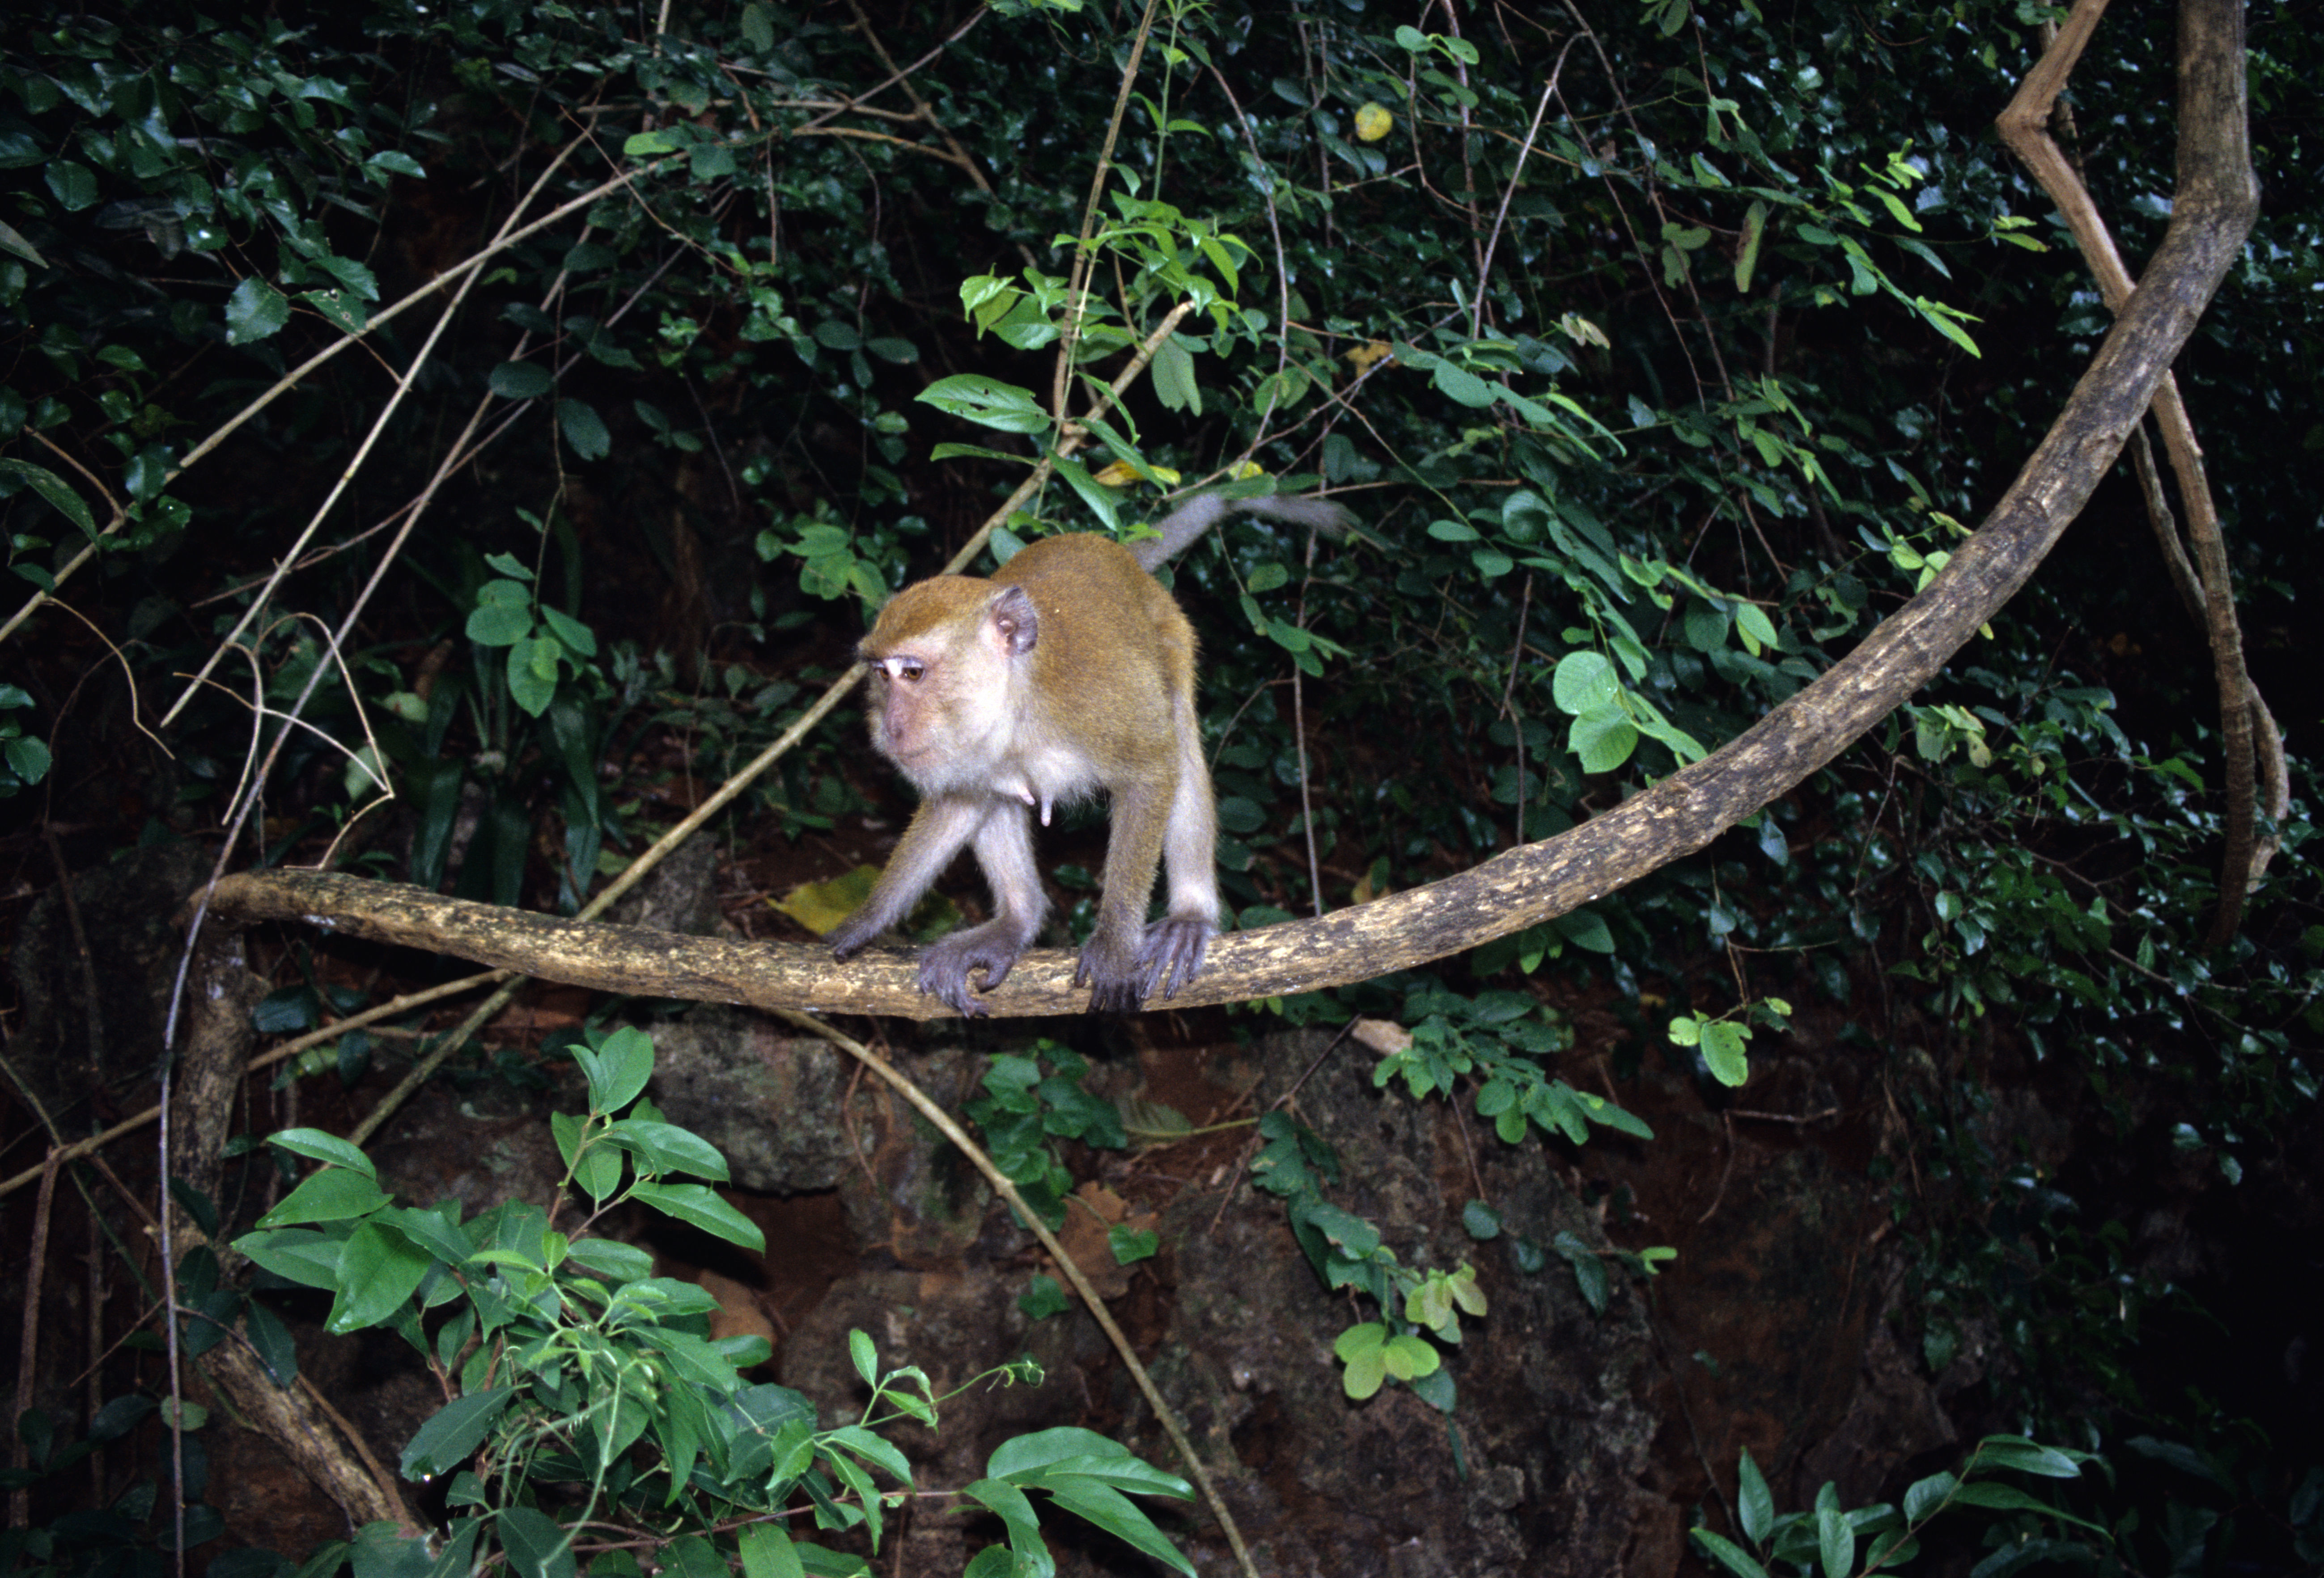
908, 669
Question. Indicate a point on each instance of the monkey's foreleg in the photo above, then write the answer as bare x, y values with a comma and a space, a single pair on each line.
1004, 848
936, 831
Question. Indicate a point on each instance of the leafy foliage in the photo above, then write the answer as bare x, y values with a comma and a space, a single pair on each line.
583, 1389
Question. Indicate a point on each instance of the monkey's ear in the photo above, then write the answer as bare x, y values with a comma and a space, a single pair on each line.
1014, 622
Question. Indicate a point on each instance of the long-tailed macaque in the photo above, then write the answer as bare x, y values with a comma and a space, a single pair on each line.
1069, 671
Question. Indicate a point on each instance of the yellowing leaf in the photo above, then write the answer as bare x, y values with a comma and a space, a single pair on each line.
820, 906
1365, 354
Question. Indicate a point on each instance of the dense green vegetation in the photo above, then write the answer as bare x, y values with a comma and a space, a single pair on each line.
1660, 356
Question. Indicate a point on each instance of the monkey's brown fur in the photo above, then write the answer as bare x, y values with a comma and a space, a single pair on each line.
1069, 671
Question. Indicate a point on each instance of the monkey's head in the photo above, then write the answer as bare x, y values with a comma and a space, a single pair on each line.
947, 657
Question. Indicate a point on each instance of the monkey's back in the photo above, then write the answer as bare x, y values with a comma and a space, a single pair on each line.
1113, 648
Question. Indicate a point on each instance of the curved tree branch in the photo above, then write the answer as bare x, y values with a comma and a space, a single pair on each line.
2213, 211
2245, 725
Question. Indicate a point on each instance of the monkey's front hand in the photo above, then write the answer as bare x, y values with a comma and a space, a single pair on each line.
1168, 957
944, 967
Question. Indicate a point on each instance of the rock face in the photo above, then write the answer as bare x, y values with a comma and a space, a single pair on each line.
1538, 1470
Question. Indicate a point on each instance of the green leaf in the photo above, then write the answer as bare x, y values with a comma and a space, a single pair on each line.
668, 1148
611, 1259
1017, 1516
1584, 682
988, 402
536, 1546
381, 1550
584, 429
502, 615
1043, 1297
12, 240
453, 1432
1024, 1456
1722, 1052
1835, 1539
320, 1145
520, 381
1925, 1496
758, 32
865, 1357
1755, 1506
1119, 1516
55, 490
2028, 1457
440, 1234
254, 311
296, 1254
623, 1065
766, 1549
74, 184
1461, 385
1130, 1246
333, 1194
378, 1271
694, 1203
1171, 373
873, 1450
1603, 739
1730, 1555
342, 309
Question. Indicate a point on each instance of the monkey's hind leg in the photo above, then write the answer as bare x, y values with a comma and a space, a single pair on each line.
1172, 952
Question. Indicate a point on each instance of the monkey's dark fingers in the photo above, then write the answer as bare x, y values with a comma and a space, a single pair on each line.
1171, 954
944, 969
1114, 987
848, 938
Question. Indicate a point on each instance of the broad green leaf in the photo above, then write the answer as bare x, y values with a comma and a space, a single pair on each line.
2028, 1457
333, 1194
378, 1271
317, 1145
1755, 1506
1722, 1051
381, 1550
1584, 682
696, 1204
1028, 1455
1730, 1555
452, 1433
669, 1147
1602, 738
1925, 1496
611, 1259
440, 1235
55, 490
1017, 1516
873, 1450
296, 1254
520, 381
254, 311
584, 429
1835, 1540
988, 402
1119, 1516
625, 1063
536, 1546
766, 1549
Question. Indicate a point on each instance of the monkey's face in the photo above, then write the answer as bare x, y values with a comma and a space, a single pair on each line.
943, 682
